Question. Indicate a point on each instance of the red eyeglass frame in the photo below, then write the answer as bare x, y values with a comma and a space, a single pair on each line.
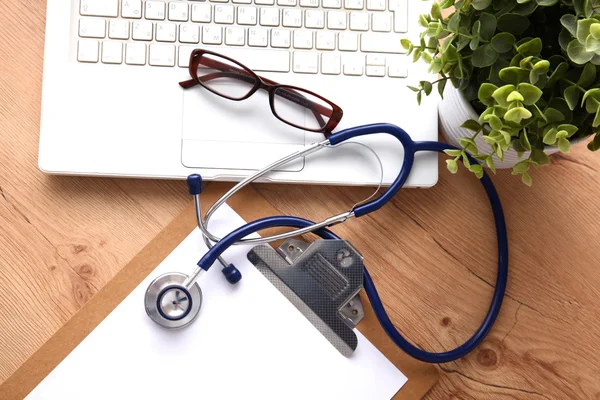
291, 93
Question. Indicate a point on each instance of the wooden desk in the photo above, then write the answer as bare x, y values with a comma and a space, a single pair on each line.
431, 252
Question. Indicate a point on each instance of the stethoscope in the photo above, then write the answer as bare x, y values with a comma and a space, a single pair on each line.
173, 300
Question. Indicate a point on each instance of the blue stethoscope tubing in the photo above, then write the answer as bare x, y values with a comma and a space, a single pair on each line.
410, 149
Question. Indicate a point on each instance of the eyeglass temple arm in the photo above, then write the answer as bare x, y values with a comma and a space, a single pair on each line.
295, 97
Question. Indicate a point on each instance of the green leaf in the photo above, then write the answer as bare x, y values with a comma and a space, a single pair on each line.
524, 9
546, 3
474, 43
441, 86
419, 96
503, 42
513, 75
501, 94
588, 75
414, 89
484, 56
488, 26
526, 179
550, 137
494, 122
477, 170
531, 94
596, 119
553, 115
521, 167
453, 152
514, 96
595, 30
450, 55
490, 163
564, 38
471, 125
583, 28
454, 21
577, 52
485, 93
592, 44
558, 73
465, 160
506, 136
468, 144
572, 96
541, 67
427, 87
406, 44
540, 157
570, 22
594, 145
571, 129
530, 48
513, 23
436, 10
481, 4
423, 21
564, 145
452, 166
426, 57
525, 142
517, 114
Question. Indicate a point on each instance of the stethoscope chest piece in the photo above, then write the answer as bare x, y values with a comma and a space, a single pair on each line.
170, 304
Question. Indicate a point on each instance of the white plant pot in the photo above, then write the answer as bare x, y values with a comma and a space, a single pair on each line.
454, 110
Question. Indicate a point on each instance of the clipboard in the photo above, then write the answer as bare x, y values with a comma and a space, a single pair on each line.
250, 205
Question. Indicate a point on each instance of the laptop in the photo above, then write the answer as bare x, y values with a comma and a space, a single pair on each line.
112, 106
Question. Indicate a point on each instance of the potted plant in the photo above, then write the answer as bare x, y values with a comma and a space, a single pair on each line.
524, 78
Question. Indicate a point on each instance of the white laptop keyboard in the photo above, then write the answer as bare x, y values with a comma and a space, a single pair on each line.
334, 37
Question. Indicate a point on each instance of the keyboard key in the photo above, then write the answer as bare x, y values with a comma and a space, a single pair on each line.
260, 59
99, 8
135, 53
92, 28
219, 1
332, 3
189, 33
314, 19
112, 52
87, 51
292, 18
309, 3
142, 30
303, 39
264, 2
336, 19
381, 43
223, 14
306, 62
162, 55
331, 64
354, 4
348, 41
400, 9
241, 1
212, 35
397, 71
131, 9
375, 59
290, 3
280, 38
118, 29
166, 32
184, 56
325, 40
381, 22
359, 21
353, 65
258, 37
375, 70
269, 16
246, 15
235, 36
178, 11
376, 5
155, 10
201, 12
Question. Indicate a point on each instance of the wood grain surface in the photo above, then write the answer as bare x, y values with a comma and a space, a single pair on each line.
431, 252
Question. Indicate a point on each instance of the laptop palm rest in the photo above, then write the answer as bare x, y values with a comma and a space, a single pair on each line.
240, 135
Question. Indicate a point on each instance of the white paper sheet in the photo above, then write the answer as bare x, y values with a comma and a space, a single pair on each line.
248, 342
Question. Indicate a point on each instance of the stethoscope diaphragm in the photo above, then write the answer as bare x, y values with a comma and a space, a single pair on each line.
170, 304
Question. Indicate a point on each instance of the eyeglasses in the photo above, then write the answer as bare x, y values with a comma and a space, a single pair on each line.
295, 106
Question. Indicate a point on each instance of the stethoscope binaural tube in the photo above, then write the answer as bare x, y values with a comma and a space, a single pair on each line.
501, 279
